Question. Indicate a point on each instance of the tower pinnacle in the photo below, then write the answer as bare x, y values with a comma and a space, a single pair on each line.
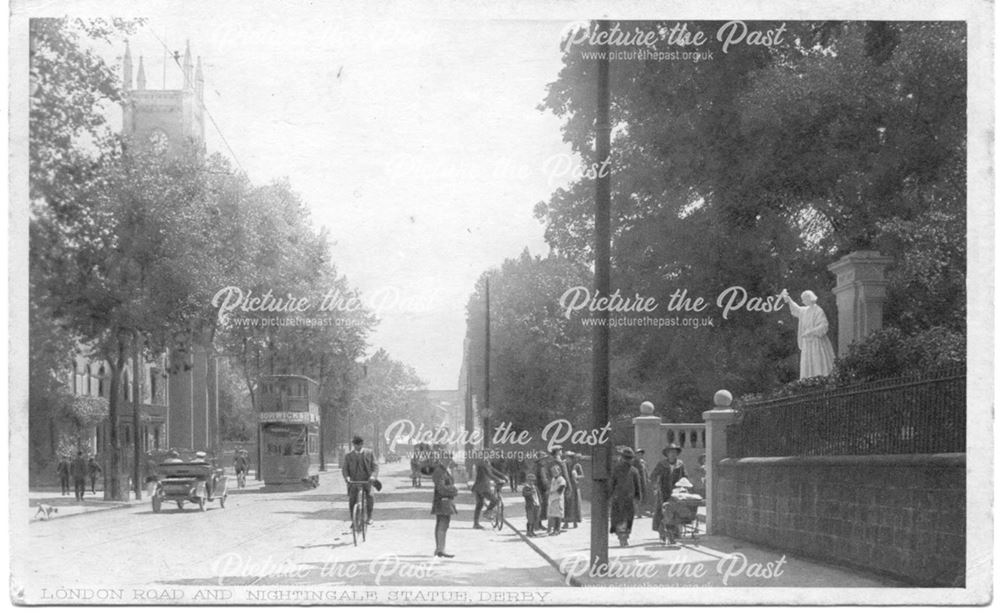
188, 76
127, 68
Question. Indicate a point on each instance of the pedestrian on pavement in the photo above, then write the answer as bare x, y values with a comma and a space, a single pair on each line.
700, 475
62, 469
542, 486
557, 500
360, 467
443, 505
531, 504
483, 490
665, 475
93, 469
624, 490
574, 501
554, 459
639, 463
152, 470
78, 472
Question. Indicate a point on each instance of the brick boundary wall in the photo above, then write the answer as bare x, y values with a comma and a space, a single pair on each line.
898, 515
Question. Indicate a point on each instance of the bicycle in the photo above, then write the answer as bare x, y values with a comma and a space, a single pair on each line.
497, 513
359, 513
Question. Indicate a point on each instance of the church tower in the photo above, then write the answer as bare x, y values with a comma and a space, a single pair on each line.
165, 120
169, 121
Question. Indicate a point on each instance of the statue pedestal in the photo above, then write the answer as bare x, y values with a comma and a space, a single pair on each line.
860, 295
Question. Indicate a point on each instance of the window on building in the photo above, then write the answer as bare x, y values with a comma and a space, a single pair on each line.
100, 383
152, 385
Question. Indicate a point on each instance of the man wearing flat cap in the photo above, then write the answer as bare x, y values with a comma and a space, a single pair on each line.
624, 491
665, 475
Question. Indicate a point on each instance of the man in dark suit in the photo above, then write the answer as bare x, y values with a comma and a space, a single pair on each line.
78, 472
481, 488
360, 467
62, 469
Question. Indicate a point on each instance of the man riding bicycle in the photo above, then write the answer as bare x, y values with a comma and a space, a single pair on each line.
360, 469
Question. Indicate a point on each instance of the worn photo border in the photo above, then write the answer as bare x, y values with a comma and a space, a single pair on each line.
979, 16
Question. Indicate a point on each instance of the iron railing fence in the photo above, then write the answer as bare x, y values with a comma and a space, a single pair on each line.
907, 415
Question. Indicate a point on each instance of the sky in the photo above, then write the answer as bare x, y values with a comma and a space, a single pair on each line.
417, 143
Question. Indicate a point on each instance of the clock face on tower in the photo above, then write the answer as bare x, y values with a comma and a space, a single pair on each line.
158, 141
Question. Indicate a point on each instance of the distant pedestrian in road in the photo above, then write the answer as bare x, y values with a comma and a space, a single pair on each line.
531, 504
62, 469
512, 467
557, 500
483, 490
443, 505
665, 475
624, 489
93, 469
78, 472
574, 501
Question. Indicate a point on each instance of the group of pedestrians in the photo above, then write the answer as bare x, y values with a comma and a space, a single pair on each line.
78, 469
632, 487
551, 490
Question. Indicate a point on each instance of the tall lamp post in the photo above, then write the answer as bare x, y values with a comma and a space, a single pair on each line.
601, 469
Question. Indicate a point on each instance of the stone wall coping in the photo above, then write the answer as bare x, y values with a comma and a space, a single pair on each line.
935, 459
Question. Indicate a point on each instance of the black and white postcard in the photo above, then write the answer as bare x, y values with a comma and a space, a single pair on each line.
520, 304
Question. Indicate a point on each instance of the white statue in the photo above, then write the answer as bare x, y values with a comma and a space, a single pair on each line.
815, 350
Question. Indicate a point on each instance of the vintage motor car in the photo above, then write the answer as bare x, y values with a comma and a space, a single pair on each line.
184, 477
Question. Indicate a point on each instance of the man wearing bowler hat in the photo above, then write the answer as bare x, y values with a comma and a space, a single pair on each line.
665, 475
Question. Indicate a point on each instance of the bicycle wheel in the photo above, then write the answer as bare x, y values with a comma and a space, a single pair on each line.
498, 517
355, 527
364, 523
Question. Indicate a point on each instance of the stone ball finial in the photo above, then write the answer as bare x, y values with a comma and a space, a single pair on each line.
646, 408
723, 398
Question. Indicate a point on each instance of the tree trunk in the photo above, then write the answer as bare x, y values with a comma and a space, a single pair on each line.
113, 488
136, 439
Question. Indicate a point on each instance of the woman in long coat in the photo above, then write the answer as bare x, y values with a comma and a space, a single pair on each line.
574, 502
625, 490
665, 475
443, 505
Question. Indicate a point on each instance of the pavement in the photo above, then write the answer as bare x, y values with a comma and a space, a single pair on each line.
304, 539
68, 506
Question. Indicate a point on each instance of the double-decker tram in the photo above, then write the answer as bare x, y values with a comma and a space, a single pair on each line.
288, 431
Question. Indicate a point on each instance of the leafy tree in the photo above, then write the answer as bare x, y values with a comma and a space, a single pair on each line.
539, 359
760, 167
385, 393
